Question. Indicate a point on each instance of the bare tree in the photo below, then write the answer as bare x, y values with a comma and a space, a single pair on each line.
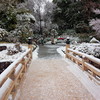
37, 7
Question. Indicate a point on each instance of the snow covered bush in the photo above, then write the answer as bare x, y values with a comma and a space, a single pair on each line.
11, 51
83, 48
97, 52
15, 49
90, 49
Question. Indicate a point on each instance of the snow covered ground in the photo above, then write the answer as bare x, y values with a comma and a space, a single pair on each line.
91, 86
3, 54
35, 53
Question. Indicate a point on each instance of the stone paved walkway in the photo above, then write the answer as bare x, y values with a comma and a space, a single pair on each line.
51, 80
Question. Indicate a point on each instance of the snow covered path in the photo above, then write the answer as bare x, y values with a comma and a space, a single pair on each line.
50, 79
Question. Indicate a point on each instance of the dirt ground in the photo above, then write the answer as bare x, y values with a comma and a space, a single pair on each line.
49, 79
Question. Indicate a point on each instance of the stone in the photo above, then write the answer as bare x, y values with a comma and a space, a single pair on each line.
3, 48
18, 47
4, 65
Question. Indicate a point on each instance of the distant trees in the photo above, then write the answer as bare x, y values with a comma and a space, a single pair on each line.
42, 10
16, 19
47, 15
8, 19
37, 8
74, 14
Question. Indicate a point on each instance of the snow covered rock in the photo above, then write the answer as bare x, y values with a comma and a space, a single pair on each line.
3, 48
94, 40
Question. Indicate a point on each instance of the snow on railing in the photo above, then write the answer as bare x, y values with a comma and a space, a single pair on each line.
14, 73
88, 63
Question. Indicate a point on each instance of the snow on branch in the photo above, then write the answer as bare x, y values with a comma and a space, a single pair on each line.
95, 23
96, 11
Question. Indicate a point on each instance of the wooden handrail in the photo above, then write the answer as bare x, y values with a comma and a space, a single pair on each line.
20, 65
96, 60
4, 75
84, 60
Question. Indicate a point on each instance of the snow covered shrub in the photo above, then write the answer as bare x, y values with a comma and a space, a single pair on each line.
97, 52
15, 49
11, 51
83, 48
90, 49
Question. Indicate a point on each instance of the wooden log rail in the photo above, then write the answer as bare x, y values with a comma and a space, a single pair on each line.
84, 61
12, 76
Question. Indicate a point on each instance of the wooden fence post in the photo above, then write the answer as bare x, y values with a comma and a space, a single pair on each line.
67, 46
83, 63
30, 45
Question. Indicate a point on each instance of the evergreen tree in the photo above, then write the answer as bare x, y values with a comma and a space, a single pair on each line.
74, 14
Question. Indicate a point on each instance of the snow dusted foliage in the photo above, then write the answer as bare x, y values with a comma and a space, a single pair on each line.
95, 23
15, 49
3, 33
96, 11
88, 48
26, 17
54, 32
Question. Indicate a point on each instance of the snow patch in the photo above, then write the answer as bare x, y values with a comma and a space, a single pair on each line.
35, 53
60, 51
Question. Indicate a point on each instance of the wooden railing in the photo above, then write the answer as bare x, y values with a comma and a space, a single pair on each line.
86, 62
12, 76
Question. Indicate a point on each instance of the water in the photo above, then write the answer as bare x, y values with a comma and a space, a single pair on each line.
49, 51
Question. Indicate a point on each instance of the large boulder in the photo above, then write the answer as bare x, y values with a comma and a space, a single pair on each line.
3, 48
